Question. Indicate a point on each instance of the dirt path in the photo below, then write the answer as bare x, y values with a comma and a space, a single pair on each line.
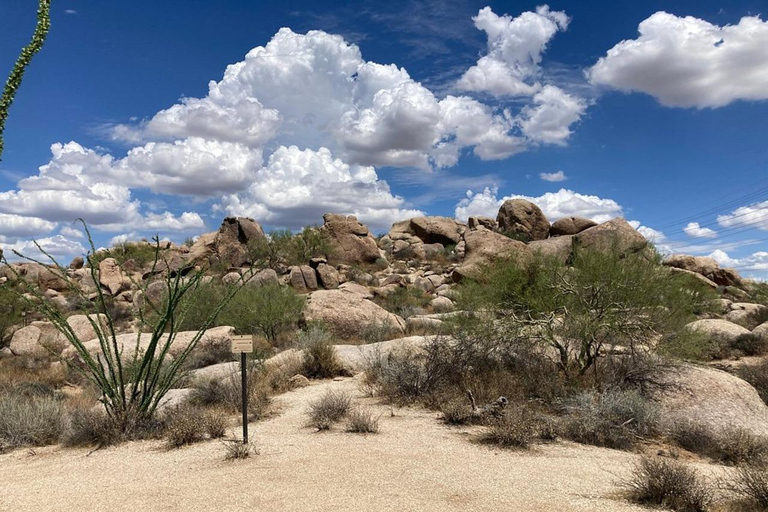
414, 464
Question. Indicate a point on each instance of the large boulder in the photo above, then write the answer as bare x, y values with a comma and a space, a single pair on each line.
570, 226
233, 237
483, 247
761, 330
711, 398
203, 248
616, 234
348, 314
437, 230
706, 267
351, 240
111, 276
127, 343
523, 218
83, 328
722, 332
37, 339
559, 248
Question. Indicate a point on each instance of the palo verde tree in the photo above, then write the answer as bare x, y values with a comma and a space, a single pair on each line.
25, 58
133, 377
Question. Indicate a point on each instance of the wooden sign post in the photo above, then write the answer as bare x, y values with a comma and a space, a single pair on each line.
243, 347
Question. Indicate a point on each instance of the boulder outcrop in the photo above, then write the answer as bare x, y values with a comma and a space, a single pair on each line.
351, 240
347, 313
523, 219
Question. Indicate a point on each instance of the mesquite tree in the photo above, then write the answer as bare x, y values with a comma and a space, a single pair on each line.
17, 73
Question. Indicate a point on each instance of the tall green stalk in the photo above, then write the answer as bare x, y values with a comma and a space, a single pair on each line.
129, 397
17, 73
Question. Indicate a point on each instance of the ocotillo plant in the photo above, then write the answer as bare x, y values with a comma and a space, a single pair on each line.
132, 388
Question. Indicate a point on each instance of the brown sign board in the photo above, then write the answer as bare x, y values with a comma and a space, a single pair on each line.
242, 346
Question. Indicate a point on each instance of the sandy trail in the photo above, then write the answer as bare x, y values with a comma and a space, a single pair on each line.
414, 464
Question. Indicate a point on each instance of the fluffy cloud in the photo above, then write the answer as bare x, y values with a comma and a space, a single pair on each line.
555, 205
17, 225
754, 264
297, 187
75, 183
695, 230
752, 216
553, 176
552, 115
515, 48
57, 246
688, 62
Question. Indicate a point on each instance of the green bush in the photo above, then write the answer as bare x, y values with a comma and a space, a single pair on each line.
405, 301
668, 484
283, 248
11, 307
603, 298
321, 361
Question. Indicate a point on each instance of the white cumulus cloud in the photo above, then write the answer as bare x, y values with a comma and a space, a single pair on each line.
695, 230
553, 176
515, 48
752, 216
689, 62
555, 205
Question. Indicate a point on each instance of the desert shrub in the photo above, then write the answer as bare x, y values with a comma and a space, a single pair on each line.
615, 418
226, 392
210, 353
362, 421
86, 427
132, 397
732, 446
328, 409
188, 425
516, 427
399, 376
750, 344
757, 317
11, 307
667, 483
375, 332
690, 345
313, 332
237, 450
142, 254
757, 376
405, 301
321, 361
29, 417
457, 412
283, 248
610, 299
750, 486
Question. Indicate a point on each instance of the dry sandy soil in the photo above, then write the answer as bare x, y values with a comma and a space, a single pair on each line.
414, 464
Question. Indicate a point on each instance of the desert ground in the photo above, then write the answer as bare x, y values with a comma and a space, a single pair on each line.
414, 463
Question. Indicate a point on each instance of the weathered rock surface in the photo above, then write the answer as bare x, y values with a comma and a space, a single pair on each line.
761, 330
615, 234
37, 339
233, 237
570, 226
111, 276
712, 398
483, 247
560, 247
352, 241
706, 267
721, 331
437, 230
521, 217
347, 313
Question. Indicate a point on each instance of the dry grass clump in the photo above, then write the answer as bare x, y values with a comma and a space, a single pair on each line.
668, 484
87, 427
30, 415
206, 354
615, 418
757, 376
733, 446
237, 450
516, 428
328, 409
320, 360
750, 488
226, 393
362, 421
187, 425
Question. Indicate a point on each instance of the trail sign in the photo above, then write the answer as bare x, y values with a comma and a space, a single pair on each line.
241, 346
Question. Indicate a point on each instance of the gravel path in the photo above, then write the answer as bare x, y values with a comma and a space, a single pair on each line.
414, 464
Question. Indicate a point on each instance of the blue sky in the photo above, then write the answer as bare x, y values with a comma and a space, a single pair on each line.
666, 128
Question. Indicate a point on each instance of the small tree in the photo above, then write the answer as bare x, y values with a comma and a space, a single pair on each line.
11, 307
131, 386
604, 298
269, 309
